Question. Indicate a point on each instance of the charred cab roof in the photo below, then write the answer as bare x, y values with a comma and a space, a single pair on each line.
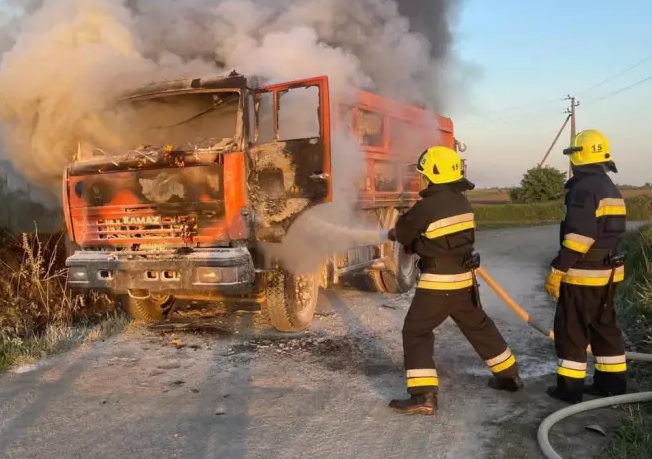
232, 80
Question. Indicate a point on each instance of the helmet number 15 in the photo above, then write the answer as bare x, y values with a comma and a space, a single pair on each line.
597, 148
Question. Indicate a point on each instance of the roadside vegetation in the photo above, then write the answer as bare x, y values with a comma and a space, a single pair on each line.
38, 315
639, 208
633, 439
539, 200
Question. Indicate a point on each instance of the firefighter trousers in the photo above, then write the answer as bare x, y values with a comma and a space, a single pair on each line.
585, 315
428, 310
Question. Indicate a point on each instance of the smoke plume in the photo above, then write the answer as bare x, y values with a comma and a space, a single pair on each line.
63, 63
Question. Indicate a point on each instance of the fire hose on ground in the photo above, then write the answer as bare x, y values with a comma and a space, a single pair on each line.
552, 419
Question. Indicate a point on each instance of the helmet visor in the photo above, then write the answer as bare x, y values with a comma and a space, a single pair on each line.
571, 150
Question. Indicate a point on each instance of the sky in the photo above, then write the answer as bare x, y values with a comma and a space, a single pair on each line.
524, 57
521, 58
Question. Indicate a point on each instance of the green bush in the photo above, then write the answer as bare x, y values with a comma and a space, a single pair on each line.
639, 207
540, 184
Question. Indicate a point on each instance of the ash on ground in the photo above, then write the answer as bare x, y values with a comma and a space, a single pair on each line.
348, 354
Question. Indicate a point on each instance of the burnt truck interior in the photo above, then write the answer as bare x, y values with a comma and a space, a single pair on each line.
156, 128
278, 134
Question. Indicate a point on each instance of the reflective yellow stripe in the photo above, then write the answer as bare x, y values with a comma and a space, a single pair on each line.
593, 277
577, 374
571, 368
611, 367
450, 225
499, 358
572, 365
420, 382
577, 242
445, 281
511, 360
611, 363
420, 373
611, 207
622, 358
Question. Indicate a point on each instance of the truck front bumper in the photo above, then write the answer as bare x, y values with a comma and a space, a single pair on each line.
223, 270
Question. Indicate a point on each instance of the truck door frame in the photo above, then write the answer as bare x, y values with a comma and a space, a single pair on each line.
324, 174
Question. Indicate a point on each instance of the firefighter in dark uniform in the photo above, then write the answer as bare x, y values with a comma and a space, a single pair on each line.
440, 228
585, 274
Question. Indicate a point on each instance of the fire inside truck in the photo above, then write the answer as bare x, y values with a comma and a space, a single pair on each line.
223, 166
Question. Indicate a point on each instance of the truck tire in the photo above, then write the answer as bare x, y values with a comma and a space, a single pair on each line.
291, 299
401, 277
146, 308
70, 246
374, 281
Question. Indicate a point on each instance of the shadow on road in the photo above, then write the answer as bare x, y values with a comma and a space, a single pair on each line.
221, 425
46, 393
377, 360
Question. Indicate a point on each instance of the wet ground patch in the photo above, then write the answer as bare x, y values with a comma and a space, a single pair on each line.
341, 354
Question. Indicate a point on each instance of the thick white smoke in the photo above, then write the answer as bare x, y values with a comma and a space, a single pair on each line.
64, 62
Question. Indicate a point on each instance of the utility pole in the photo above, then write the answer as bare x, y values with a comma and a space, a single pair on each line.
571, 112
563, 126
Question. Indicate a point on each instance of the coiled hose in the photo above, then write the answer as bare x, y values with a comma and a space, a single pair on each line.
552, 419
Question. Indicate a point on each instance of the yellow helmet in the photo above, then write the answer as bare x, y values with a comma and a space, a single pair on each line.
440, 165
590, 147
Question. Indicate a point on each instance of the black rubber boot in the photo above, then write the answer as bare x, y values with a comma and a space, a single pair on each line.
607, 384
417, 404
509, 384
597, 391
568, 397
594, 391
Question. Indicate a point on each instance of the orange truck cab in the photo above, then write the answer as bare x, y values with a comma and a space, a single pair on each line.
223, 166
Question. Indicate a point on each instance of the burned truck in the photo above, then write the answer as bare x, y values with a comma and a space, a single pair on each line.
228, 168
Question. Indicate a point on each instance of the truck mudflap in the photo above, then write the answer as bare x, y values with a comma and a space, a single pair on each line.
223, 270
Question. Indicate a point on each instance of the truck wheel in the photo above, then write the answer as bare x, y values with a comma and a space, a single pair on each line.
374, 281
401, 277
291, 299
70, 246
147, 308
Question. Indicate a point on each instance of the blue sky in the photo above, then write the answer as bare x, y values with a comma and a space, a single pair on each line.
527, 56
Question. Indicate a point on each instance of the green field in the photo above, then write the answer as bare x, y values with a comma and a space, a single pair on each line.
498, 214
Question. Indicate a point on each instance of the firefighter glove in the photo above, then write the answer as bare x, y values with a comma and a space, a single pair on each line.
553, 282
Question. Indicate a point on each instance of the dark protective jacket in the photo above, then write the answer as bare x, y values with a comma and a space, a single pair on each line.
593, 226
440, 228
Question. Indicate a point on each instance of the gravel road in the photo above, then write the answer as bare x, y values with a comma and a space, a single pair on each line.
234, 389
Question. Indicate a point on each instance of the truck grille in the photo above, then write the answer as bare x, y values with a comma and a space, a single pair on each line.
143, 227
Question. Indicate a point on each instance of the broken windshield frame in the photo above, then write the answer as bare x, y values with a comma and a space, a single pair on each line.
184, 121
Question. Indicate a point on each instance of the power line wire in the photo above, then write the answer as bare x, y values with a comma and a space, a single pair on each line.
616, 75
487, 118
621, 90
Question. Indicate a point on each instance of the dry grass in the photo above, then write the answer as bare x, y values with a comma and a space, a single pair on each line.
635, 295
38, 314
633, 439
58, 338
